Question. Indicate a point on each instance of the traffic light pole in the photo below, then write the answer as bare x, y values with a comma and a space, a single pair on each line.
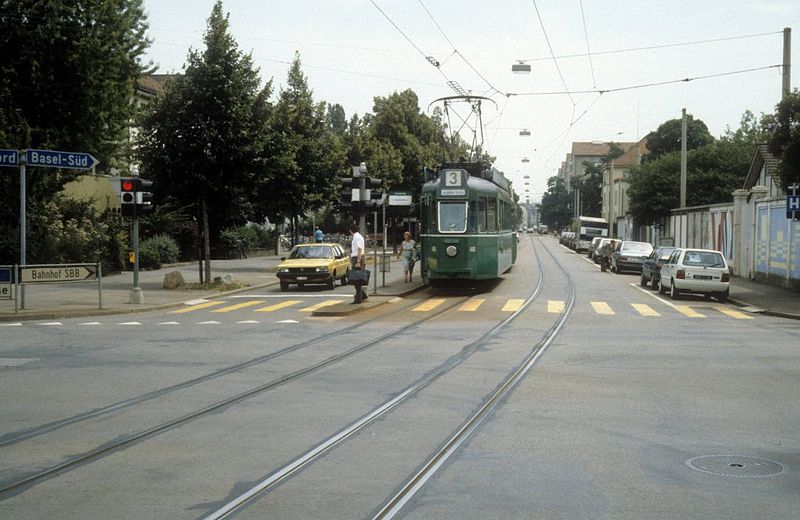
136, 296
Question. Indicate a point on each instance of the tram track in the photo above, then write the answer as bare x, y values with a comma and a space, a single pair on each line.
129, 440
290, 469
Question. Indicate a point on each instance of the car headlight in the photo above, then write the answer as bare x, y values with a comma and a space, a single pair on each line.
322, 269
451, 251
283, 269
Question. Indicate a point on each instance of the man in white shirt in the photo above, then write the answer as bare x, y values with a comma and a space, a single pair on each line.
357, 260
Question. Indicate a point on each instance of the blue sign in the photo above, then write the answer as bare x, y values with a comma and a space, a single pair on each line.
54, 159
792, 206
5, 274
9, 157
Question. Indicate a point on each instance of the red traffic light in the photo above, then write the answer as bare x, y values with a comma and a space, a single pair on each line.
127, 185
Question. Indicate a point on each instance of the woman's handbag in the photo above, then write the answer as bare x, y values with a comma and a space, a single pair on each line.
359, 276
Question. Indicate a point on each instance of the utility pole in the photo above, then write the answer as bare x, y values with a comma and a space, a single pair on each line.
787, 61
683, 158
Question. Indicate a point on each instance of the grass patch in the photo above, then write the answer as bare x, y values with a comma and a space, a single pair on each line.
217, 286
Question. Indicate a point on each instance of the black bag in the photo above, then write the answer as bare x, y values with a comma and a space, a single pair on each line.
359, 276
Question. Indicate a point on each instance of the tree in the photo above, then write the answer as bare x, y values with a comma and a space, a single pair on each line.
555, 208
308, 157
67, 79
784, 143
205, 140
667, 138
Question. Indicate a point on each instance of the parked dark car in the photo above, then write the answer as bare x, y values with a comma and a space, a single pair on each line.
630, 255
651, 267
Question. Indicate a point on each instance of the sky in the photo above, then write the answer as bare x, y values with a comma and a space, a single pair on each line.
355, 50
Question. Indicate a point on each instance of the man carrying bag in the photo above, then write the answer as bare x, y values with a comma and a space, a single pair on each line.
359, 274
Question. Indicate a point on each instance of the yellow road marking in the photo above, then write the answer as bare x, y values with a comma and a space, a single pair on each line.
555, 306
602, 308
429, 305
644, 309
732, 313
242, 305
197, 307
282, 305
688, 311
326, 303
472, 304
513, 305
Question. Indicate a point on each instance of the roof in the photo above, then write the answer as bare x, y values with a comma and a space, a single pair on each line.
631, 157
152, 84
762, 157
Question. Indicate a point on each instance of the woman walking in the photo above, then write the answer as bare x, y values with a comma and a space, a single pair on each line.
406, 255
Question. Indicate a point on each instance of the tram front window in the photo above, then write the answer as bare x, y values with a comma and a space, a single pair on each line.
452, 217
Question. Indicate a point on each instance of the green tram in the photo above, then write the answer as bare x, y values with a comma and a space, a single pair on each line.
467, 224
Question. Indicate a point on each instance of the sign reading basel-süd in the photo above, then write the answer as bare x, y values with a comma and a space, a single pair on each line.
57, 273
56, 159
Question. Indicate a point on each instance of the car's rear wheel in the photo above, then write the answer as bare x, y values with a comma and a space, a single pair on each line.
346, 278
332, 281
642, 280
661, 288
284, 286
723, 296
673, 291
654, 282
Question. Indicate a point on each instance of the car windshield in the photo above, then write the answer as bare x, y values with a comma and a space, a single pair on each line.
452, 217
637, 248
664, 254
301, 252
703, 259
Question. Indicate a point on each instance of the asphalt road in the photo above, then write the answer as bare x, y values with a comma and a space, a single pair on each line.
332, 416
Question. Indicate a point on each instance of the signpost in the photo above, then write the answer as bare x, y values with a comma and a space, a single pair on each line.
62, 273
44, 159
793, 203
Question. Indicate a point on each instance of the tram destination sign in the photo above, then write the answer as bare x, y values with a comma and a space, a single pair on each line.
57, 273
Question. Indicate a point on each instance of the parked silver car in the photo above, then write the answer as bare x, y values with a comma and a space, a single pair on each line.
630, 255
703, 271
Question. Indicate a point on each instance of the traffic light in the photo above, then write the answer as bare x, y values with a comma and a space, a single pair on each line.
127, 196
144, 197
349, 192
373, 197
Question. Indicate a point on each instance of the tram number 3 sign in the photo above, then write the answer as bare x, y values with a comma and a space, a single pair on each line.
57, 273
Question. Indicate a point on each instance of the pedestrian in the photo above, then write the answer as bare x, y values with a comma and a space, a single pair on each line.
357, 260
318, 234
406, 256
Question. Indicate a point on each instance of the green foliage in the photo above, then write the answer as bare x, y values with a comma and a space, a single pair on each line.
655, 188
205, 139
555, 209
667, 138
62, 230
307, 157
784, 143
238, 242
156, 251
590, 186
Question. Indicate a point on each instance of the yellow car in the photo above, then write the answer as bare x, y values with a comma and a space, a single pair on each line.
314, 264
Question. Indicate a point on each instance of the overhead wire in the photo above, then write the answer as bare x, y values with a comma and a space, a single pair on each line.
549, 46
588, 50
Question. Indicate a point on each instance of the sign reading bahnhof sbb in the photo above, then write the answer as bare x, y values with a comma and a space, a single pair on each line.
57, 273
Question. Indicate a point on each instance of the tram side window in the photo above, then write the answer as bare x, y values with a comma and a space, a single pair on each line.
481, 217
491, 215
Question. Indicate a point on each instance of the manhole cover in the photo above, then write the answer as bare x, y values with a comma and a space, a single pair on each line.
736, 466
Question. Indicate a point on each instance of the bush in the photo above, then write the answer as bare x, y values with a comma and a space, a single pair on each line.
238, 242
156, 251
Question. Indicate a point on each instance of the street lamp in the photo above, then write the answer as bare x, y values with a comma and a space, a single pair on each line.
520, 67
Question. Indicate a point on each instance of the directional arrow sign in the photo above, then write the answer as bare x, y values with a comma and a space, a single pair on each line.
56, 159
9, 157
57, 273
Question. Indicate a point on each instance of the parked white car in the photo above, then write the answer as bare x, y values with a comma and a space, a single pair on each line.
702, 271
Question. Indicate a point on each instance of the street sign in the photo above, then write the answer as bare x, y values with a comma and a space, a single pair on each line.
58, 273
793, 206
9, 158
399, 198
6, 286
56, 159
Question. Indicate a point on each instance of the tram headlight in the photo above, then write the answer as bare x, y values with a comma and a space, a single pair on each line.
451, 250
